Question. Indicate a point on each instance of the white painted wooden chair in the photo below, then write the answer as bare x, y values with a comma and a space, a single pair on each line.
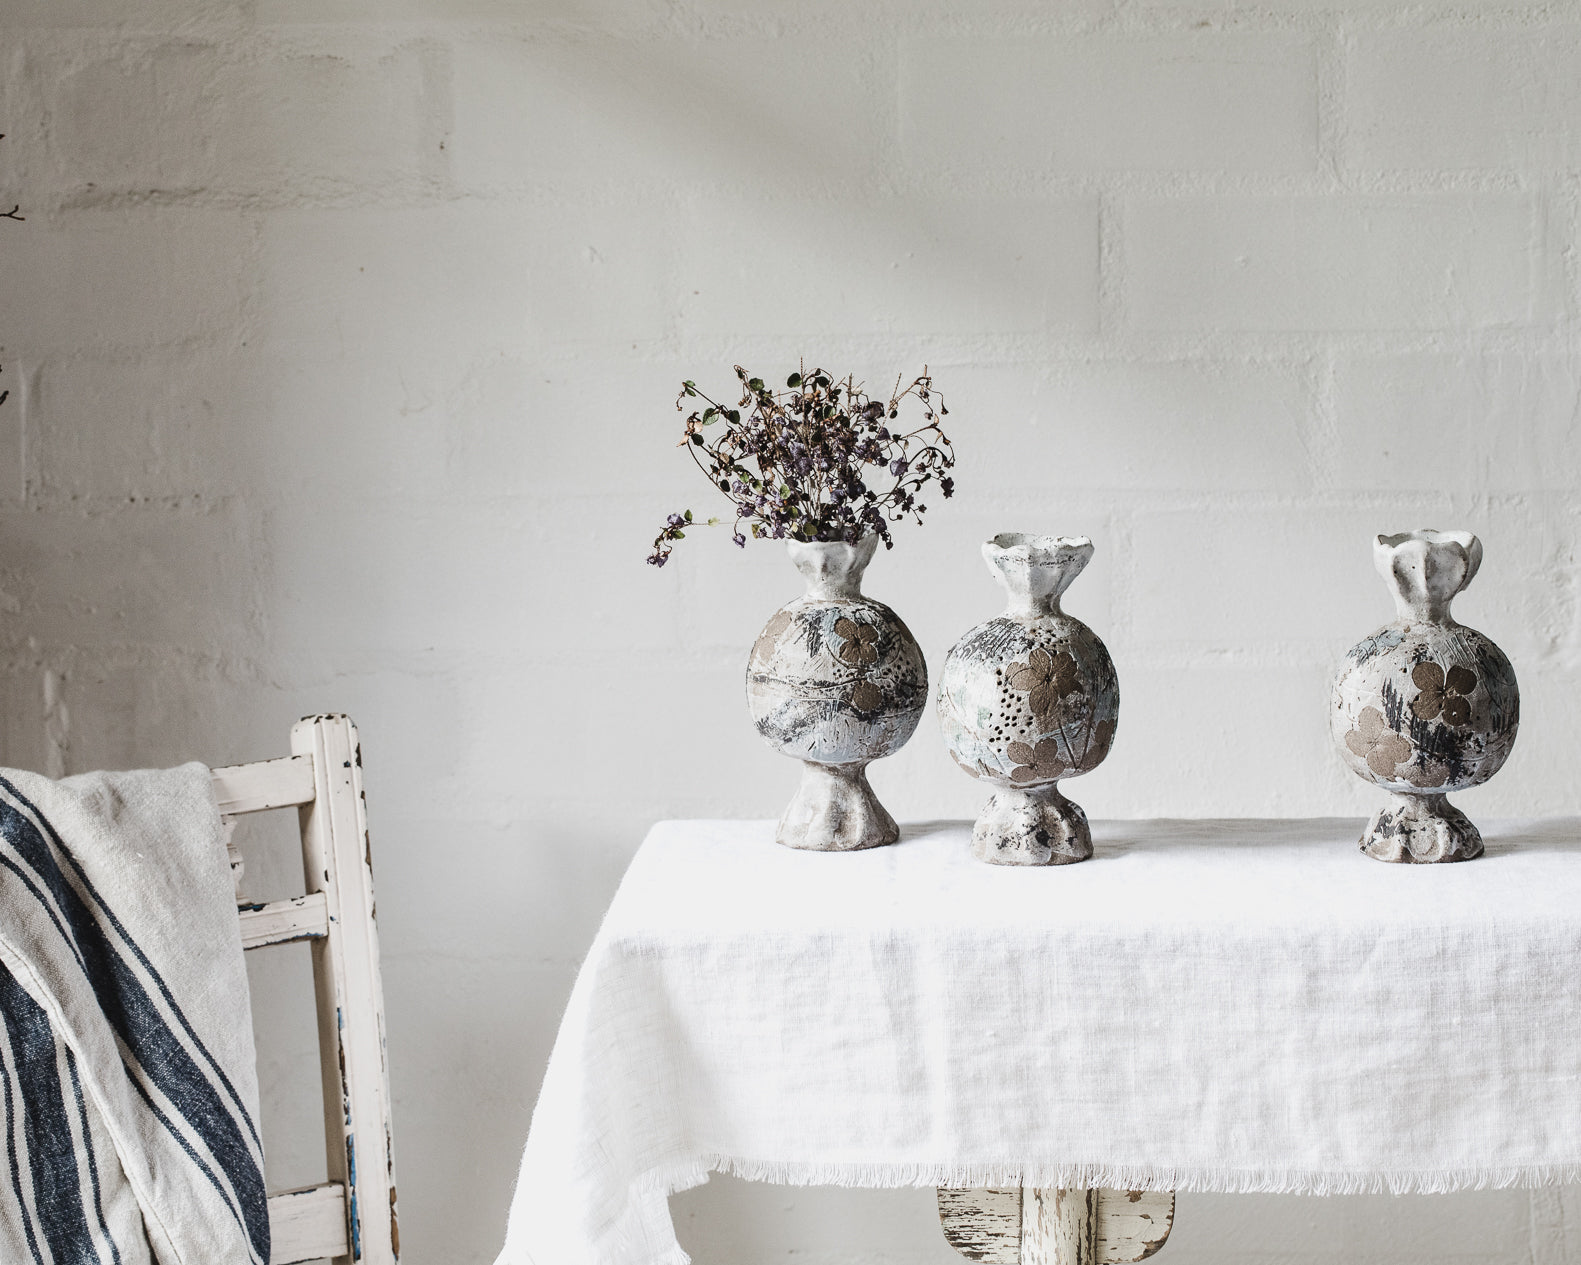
350, 1217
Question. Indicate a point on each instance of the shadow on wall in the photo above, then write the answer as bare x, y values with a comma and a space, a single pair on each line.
778, 160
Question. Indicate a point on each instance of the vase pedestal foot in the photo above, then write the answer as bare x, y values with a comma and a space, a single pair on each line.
834, 810
1031, 827
1421, 829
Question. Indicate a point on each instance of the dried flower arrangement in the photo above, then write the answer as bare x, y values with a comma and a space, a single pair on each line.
797, 463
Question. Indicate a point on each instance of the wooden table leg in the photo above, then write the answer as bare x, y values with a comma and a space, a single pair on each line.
1059, 1227
1016, 1226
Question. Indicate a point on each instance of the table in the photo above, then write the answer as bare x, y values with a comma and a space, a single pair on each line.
1205, 1005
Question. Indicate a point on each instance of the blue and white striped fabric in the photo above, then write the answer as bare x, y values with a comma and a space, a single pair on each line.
128, 1091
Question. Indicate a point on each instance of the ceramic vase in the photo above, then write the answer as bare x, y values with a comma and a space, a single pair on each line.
1027, 700
1425, 706
836, 680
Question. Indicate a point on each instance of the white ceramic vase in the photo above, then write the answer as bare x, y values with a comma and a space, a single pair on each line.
1425, 706
836, 680
1028, 699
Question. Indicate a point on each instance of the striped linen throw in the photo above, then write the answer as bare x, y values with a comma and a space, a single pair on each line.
128, 1090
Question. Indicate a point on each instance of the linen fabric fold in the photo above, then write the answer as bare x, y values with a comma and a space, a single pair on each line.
128, 1089
1205, 1005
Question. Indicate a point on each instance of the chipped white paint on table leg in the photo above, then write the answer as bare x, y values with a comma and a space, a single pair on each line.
1012, 1226
983, 1223
1059, 1227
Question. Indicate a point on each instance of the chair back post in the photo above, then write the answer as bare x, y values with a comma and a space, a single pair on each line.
346, 979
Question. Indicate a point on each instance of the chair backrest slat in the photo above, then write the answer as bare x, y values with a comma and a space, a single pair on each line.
256, 788
283, 921
308, 1224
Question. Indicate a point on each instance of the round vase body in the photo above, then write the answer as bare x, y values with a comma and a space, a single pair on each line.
1028, 699
1425, 706
836, 680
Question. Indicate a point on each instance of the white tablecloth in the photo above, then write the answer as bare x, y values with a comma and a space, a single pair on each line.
1205, 1005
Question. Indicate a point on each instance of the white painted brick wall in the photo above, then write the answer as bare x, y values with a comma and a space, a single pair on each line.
1498, 421
1337, 262
568, 108
967, 267
138, 278
342, 338
1458, 99
1204, 102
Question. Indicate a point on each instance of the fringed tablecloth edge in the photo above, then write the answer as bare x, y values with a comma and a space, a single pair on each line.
1131, 1177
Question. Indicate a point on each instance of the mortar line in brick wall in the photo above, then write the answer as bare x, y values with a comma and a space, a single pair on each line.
912, 181
1122, 582
1448, 15
439, 190
1543, 1214
1095, 496
57, 724
1332, 67
110, 506
1035, 350
209, 665
25, 400
726, 660
1111, 268
374, 41
1319, 429
1072, 21
1566, 202
1144, 654
402, 193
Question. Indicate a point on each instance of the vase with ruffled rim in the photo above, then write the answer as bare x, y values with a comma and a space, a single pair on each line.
836, 680
1029, 699
1425, 706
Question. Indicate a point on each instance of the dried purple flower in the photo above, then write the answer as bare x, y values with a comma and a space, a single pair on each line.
794, 461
